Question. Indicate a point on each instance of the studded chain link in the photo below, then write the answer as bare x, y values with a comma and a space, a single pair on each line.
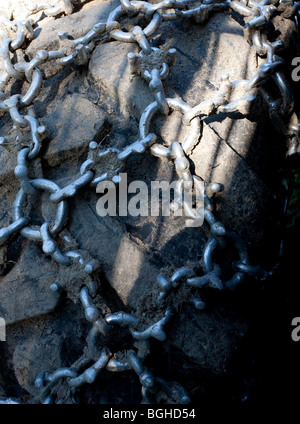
153, 65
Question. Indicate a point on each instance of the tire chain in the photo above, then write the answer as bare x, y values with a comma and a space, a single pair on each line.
153, 65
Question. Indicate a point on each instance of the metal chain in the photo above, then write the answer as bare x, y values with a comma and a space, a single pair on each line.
153, 65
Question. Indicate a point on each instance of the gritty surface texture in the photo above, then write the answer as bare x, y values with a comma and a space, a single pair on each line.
102, 101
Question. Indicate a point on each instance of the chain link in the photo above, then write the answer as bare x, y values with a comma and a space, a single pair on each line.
153, 65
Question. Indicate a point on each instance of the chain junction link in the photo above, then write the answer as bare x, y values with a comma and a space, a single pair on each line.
153, 65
